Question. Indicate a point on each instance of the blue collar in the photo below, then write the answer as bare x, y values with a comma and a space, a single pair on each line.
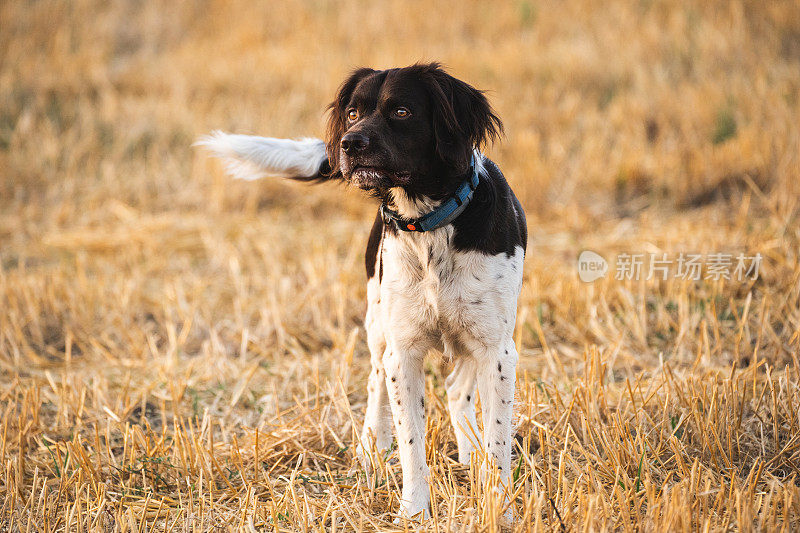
442, 215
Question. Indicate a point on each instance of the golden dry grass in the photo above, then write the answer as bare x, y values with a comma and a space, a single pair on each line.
178, 351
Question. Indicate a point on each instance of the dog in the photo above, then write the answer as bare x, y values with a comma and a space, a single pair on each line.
444, 257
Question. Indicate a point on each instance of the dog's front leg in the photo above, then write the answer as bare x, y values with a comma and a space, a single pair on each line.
378, 418
496, 379
405, 383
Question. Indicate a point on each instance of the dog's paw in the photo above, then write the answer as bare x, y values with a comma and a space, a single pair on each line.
414, 507
413, 513
508, 518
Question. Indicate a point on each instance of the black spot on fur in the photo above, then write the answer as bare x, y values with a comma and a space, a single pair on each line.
422, 402
469, 398
394, 379
498, 420
411, 441
499, 367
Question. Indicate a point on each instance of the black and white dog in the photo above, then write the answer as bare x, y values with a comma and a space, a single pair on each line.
444, 257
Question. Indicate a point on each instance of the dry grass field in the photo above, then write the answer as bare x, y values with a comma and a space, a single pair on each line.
179, 351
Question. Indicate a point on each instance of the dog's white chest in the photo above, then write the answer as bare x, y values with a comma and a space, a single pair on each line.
431, 291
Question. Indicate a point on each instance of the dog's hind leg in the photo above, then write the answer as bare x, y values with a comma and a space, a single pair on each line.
378, 418
460, 386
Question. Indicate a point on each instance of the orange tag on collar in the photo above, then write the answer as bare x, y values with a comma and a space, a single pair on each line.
412, 227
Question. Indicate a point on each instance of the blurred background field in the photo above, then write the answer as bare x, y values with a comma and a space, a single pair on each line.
178, 350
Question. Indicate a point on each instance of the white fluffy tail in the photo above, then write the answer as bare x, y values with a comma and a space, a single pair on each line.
249, 157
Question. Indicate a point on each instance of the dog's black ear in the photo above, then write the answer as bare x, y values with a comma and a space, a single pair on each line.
462, 117
337, 122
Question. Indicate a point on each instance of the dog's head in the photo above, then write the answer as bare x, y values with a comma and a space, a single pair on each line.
412, 127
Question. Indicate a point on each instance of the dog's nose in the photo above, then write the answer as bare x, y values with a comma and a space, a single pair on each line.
352, 143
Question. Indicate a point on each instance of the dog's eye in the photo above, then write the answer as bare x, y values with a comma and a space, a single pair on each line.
352, 114
402, 112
